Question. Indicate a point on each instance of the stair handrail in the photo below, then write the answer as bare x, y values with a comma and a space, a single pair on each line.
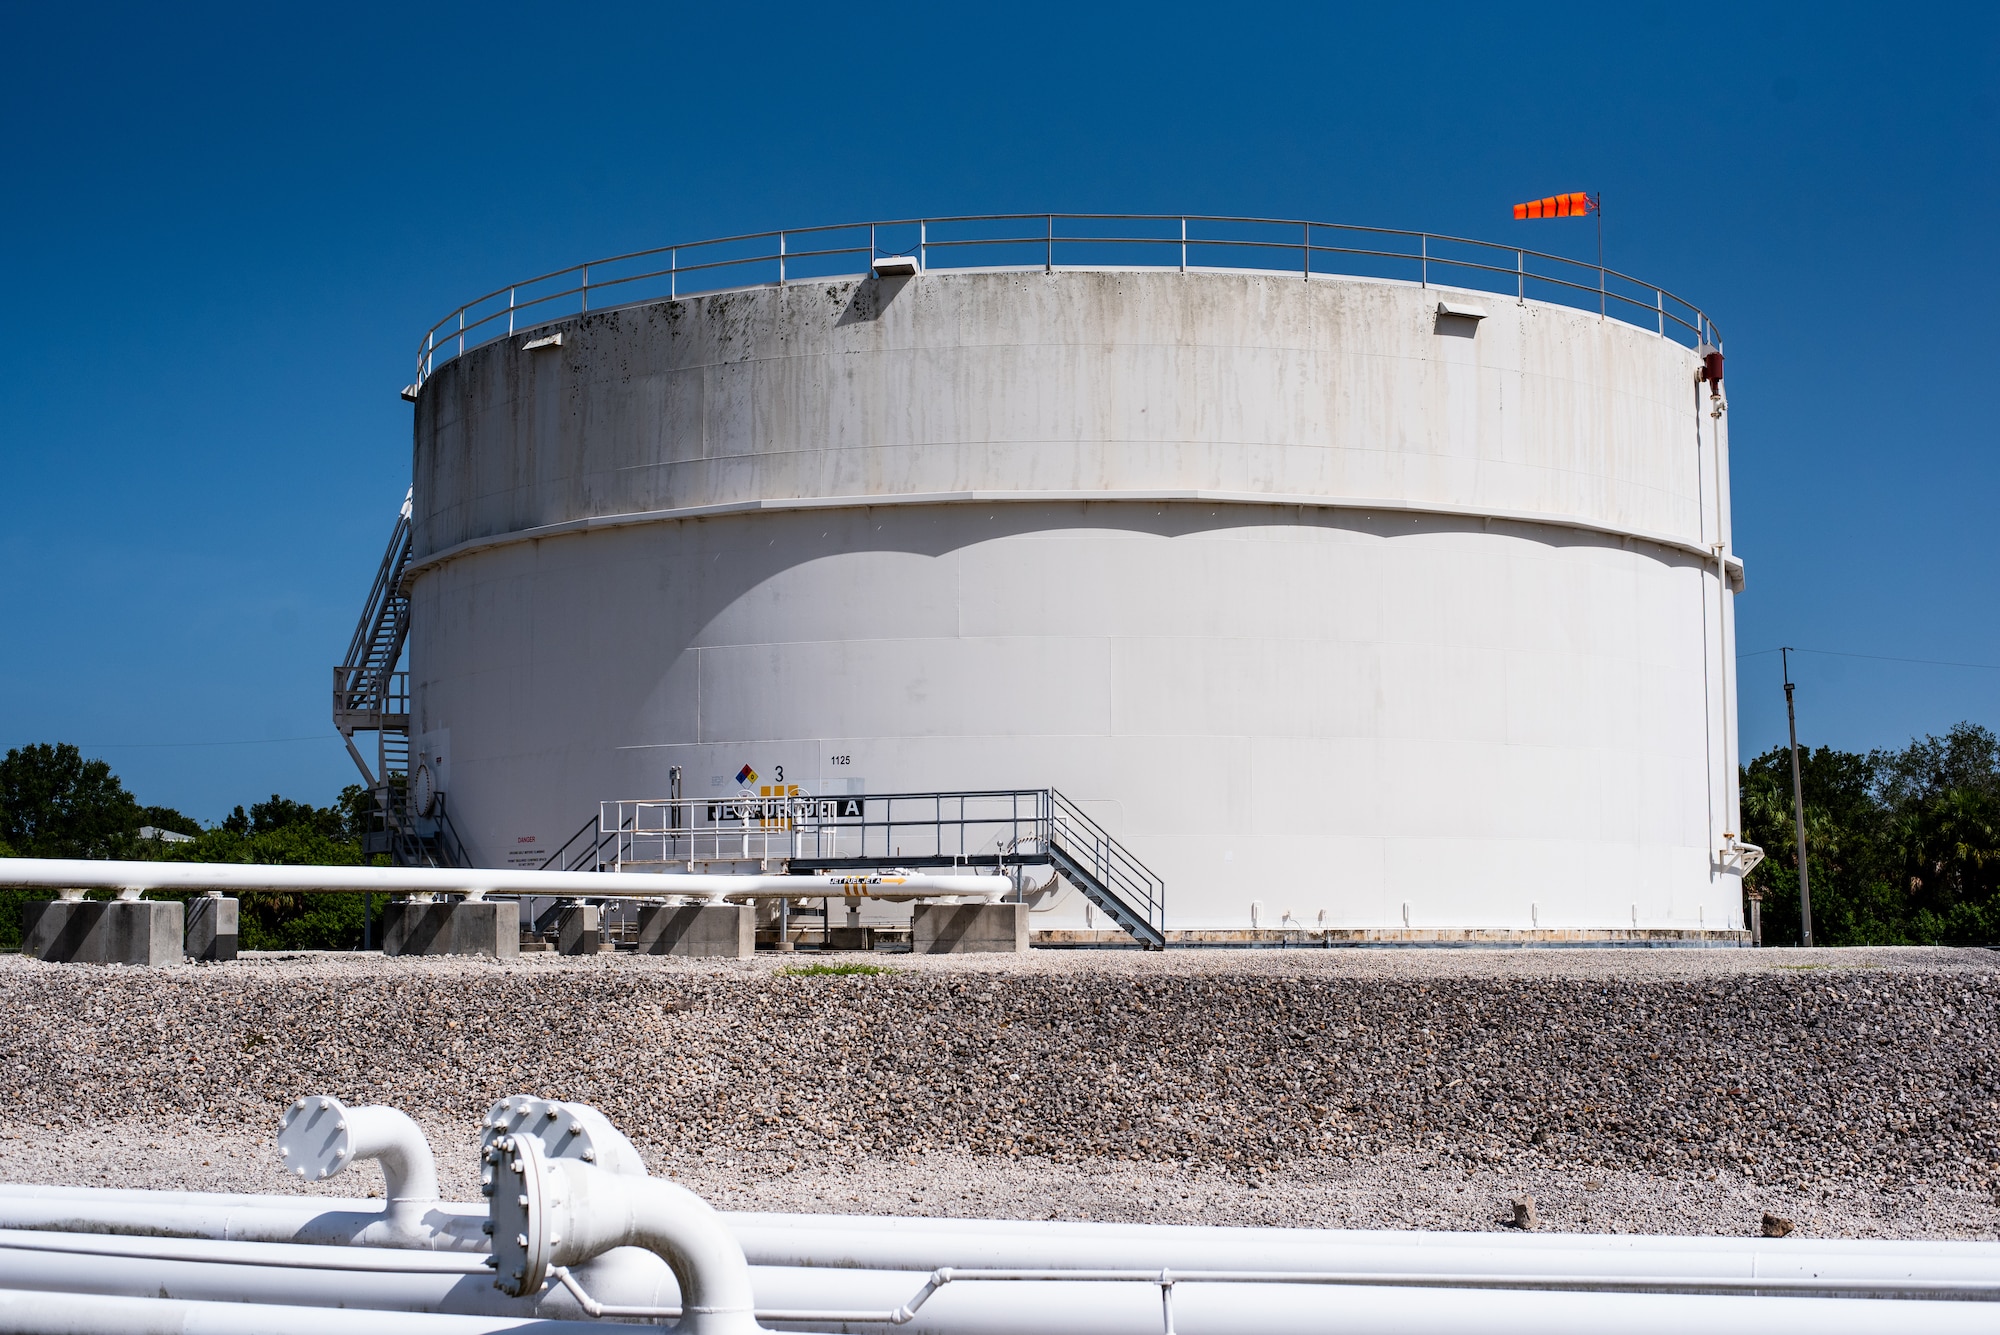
384, 622
554, 860
448, 838
1121, 874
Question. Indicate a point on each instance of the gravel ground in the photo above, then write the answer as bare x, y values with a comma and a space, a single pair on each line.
1854, 1092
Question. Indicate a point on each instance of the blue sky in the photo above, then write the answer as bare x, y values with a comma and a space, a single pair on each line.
225, 229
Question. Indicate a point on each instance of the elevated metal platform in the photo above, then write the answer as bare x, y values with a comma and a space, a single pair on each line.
1002, 829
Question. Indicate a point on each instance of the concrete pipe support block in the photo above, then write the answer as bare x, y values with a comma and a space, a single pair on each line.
578, 930
725, 930
489, 927
969, 929
143, 932
850, 938
211, 929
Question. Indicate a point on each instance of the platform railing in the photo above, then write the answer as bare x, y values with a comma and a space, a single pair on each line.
998, 829
1051, 241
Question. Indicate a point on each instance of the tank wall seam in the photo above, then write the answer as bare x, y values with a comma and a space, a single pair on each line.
1253, 500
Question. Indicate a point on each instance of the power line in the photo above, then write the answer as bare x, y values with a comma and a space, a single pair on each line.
1878, 658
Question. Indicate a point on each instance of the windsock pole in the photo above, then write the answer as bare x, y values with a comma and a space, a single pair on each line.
1573, 204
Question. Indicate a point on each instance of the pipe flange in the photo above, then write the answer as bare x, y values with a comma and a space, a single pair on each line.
566, 1131
522, 1239
314, 1137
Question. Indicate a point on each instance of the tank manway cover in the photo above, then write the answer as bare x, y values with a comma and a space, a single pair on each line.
313, 1137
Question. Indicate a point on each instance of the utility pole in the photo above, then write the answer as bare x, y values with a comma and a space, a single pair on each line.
1798, 802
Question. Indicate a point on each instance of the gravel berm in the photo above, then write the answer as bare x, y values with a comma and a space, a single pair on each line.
1855, 1092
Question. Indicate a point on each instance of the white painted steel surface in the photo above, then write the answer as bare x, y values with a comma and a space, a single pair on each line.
554, 1212
1313, 596
915, 1245
29, 1313
78, 874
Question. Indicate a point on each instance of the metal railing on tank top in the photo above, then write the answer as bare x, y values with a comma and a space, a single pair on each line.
1065, 241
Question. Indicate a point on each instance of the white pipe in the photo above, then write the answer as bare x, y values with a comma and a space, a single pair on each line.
1071, 1232
409, 1173
403, 1281
70, 874
1077, 1308
928, 1244
445, 1226
950, 1302
309, 1276
767, 1228
445, 1230
921, 1245
27, 1313
319, 1136
216, 1200
167, 1264
1101, 1309
15, 1243
549, 1213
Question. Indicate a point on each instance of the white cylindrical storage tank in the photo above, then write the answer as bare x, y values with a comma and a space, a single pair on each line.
1316, 598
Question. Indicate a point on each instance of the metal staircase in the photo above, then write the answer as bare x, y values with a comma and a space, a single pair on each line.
1106, 873
371, 696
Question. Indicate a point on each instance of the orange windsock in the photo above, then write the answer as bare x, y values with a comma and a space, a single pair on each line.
1574, 205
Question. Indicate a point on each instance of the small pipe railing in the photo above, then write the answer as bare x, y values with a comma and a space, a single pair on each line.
1049, 241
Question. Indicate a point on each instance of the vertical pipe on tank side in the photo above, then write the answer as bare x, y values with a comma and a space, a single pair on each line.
1707, 691
1424, 252
1049, 264
1731, 801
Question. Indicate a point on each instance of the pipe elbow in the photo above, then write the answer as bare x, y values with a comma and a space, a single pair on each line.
320, 1137
549, 1213
409, 1170
680, 1228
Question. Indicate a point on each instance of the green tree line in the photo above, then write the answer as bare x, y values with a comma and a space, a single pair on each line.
56, 804
1902, 847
